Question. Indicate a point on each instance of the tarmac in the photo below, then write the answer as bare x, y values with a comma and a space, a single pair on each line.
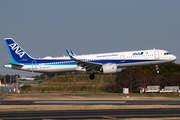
89, 102
92, 114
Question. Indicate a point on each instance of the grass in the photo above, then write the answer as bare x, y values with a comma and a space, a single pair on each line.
79, 107
69, 83
6, 108
86, 96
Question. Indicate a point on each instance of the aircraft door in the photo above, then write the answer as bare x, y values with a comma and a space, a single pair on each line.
122, 58
156, 54
34, 64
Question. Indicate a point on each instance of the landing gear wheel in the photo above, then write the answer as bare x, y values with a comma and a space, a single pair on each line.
91, 76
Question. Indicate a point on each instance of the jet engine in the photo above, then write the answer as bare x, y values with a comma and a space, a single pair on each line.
109, 68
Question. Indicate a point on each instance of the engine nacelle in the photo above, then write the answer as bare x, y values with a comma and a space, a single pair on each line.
109, 68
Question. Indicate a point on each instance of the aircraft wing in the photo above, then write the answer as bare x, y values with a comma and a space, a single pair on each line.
87, 65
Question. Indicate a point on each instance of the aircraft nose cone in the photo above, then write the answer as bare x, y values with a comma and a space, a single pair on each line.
174, 57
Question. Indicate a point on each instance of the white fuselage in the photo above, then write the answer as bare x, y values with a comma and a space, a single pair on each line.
121, 59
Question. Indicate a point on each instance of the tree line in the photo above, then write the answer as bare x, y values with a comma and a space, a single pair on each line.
135, 77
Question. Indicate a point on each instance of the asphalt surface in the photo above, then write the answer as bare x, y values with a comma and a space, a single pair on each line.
91, 102
89, 114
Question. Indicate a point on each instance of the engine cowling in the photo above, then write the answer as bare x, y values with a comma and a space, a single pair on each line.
109, 68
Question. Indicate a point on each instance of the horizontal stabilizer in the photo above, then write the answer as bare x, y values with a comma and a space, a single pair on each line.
13, 66
16, 64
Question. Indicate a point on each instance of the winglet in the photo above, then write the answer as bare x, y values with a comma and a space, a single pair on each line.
69, 54
73, 53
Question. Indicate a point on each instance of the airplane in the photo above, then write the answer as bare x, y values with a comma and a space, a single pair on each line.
107, 63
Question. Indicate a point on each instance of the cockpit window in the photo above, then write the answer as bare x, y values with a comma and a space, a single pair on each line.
167, 53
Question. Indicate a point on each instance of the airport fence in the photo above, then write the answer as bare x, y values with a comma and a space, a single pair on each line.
9, 89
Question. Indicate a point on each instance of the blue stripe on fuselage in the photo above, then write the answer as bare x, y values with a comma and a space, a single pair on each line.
70, 62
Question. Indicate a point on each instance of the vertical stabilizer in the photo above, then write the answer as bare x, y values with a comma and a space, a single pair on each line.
17, 54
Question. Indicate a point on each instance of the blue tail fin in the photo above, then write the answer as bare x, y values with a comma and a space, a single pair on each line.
17, 54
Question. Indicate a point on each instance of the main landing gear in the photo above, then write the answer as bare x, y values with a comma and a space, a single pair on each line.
92, 76
157, 68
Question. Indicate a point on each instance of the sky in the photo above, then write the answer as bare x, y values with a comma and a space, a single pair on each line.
49, 27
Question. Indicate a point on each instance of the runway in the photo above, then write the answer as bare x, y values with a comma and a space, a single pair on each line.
92, 114
90, 102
